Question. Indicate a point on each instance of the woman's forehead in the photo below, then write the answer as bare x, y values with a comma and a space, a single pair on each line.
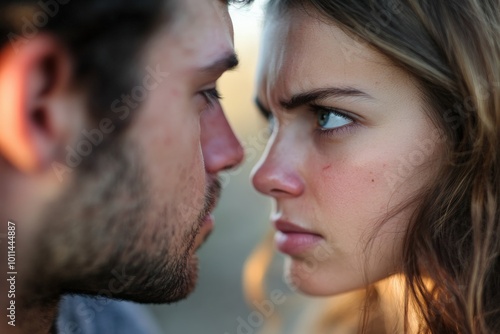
300, 52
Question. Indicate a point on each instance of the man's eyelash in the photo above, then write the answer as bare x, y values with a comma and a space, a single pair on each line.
212, 95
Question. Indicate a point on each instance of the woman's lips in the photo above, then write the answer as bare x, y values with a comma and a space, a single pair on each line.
294, 240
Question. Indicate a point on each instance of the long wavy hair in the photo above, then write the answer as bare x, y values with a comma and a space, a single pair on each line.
451, 256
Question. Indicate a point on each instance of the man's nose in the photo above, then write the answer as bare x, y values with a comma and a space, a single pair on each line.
221, 149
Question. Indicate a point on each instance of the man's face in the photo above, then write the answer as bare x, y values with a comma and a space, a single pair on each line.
129, 224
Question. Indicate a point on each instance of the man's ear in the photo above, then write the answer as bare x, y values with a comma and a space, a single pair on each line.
33, 82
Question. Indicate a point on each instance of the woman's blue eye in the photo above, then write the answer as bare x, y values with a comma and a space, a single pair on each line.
330, 119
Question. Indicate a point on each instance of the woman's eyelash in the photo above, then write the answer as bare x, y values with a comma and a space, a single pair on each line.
317, 110
321, 109
212, 95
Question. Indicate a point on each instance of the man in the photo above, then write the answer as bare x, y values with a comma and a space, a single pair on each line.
111, 140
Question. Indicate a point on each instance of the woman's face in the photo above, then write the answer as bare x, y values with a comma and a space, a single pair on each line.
351, 141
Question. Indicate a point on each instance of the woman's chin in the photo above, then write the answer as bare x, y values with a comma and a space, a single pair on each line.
301, 278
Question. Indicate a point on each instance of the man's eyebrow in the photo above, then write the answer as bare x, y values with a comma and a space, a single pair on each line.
263, 110
320, 94
222, 65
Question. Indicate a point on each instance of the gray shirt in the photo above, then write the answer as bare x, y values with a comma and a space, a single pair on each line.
96, 315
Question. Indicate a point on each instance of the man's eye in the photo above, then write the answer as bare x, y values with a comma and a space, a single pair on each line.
212, 96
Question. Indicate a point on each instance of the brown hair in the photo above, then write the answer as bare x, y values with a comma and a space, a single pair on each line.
451, 263
104, 37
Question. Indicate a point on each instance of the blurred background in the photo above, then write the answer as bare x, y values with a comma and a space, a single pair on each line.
242, 217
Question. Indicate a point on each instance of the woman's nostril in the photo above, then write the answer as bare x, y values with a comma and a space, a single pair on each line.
277, 192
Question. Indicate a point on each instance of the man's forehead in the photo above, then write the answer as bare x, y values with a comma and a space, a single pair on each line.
202, 11
204, 31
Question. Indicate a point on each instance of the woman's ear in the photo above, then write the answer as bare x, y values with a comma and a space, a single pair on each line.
34, 80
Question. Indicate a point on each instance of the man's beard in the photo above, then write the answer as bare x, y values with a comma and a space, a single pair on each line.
96, 239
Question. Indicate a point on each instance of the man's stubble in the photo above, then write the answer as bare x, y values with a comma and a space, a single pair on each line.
97, 238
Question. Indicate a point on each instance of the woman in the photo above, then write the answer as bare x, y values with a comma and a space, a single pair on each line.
383, 157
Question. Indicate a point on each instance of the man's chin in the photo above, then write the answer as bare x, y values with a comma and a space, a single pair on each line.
160, 287
187, 286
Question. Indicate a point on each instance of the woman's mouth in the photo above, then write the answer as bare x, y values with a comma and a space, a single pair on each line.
294, 240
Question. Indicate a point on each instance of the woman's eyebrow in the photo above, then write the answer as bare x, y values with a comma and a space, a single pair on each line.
301, 99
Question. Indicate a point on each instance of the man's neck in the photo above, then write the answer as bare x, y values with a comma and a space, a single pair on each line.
21, 310
26, 318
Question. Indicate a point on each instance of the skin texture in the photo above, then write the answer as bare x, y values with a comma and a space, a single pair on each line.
127, 221
344, 184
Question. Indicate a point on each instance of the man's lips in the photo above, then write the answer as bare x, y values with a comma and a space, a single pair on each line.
292, 239
206, 228
213, 194
207, 223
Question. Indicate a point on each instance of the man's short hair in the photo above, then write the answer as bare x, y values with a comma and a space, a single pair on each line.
104, 39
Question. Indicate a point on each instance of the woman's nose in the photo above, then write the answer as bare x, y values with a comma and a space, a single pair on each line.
276, 174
